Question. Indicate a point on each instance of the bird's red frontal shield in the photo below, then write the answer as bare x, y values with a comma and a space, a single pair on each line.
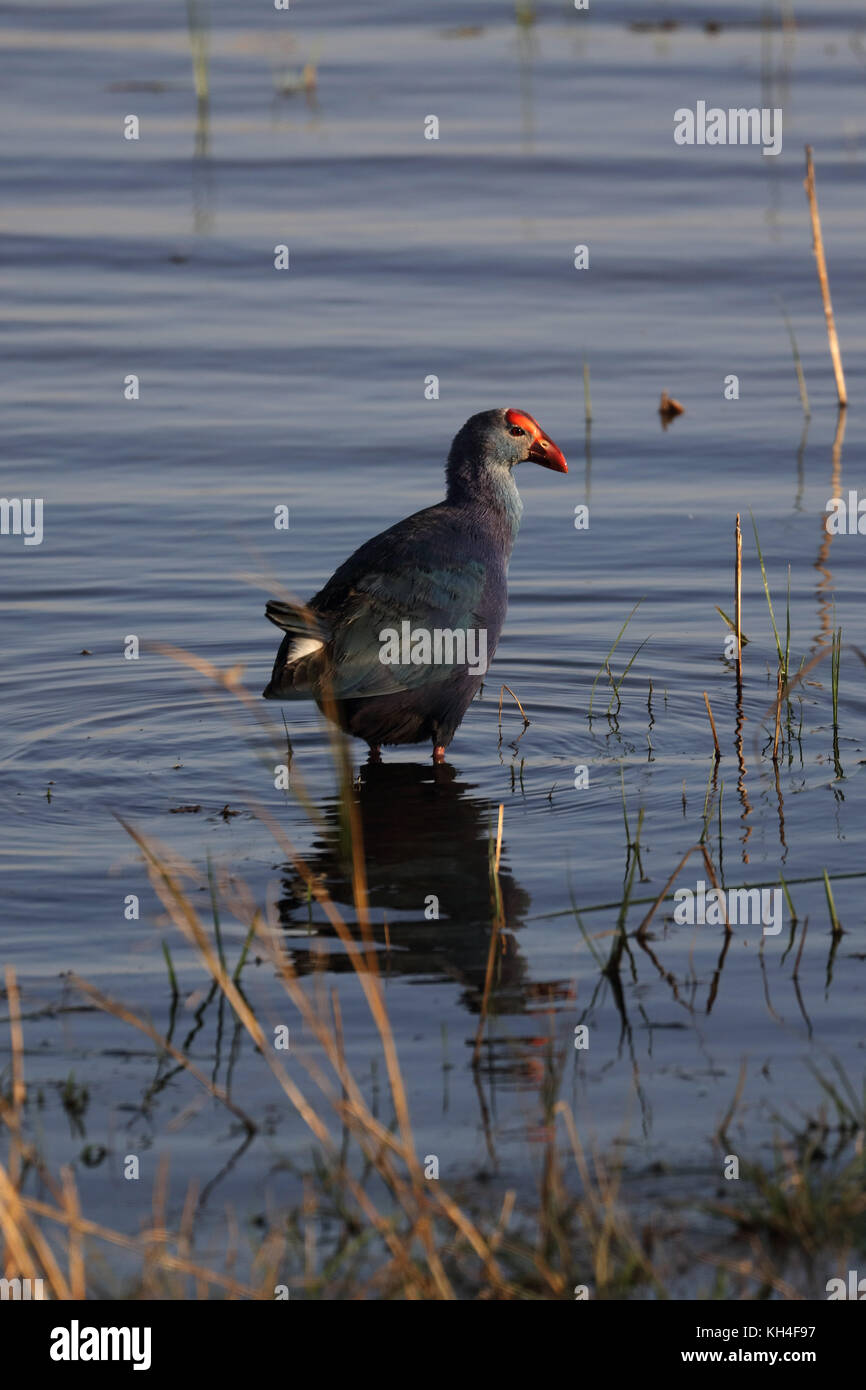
542, 450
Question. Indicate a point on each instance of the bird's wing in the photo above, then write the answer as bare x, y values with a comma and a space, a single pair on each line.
383, 622
386, 584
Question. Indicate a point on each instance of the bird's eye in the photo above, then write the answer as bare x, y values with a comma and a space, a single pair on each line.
516, 430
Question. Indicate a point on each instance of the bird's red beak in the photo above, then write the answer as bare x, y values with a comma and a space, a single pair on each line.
545, 452
542, 450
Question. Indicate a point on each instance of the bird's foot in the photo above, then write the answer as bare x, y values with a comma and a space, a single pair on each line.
438, 752
375, 755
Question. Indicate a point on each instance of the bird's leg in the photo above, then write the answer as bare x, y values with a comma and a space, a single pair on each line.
438, 752
375, 755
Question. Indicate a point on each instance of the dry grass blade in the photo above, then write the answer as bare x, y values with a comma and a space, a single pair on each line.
722, 1131
498, 924
19, 1090
183, 914
498, 855
644, 926
19, 1261
738, 596
792, 684
125, 1015
77, 1283
823, 281
713, 727
715, 882
526, 720
12, 1207
138, 1245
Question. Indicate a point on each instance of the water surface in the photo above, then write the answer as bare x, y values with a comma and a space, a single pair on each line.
412, 258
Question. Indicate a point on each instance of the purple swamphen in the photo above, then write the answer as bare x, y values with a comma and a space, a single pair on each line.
396, 645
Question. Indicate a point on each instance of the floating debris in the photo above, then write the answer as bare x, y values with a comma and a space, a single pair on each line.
669, 409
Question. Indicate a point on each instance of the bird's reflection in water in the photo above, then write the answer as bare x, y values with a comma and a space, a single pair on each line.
427, 844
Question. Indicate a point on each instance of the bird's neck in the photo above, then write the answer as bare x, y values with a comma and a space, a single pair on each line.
492, 496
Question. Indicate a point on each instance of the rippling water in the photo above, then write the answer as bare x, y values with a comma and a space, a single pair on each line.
412, 258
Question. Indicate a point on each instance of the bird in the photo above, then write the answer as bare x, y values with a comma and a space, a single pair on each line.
395, 646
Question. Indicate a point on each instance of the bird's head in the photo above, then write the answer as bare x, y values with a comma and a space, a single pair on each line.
494, 442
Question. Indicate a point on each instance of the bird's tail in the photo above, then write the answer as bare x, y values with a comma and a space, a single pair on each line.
296, 619
301, 653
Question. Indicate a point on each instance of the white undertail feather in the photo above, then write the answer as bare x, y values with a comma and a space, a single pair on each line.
302, 646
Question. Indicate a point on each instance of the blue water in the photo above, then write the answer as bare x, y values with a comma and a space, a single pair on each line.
411, 258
